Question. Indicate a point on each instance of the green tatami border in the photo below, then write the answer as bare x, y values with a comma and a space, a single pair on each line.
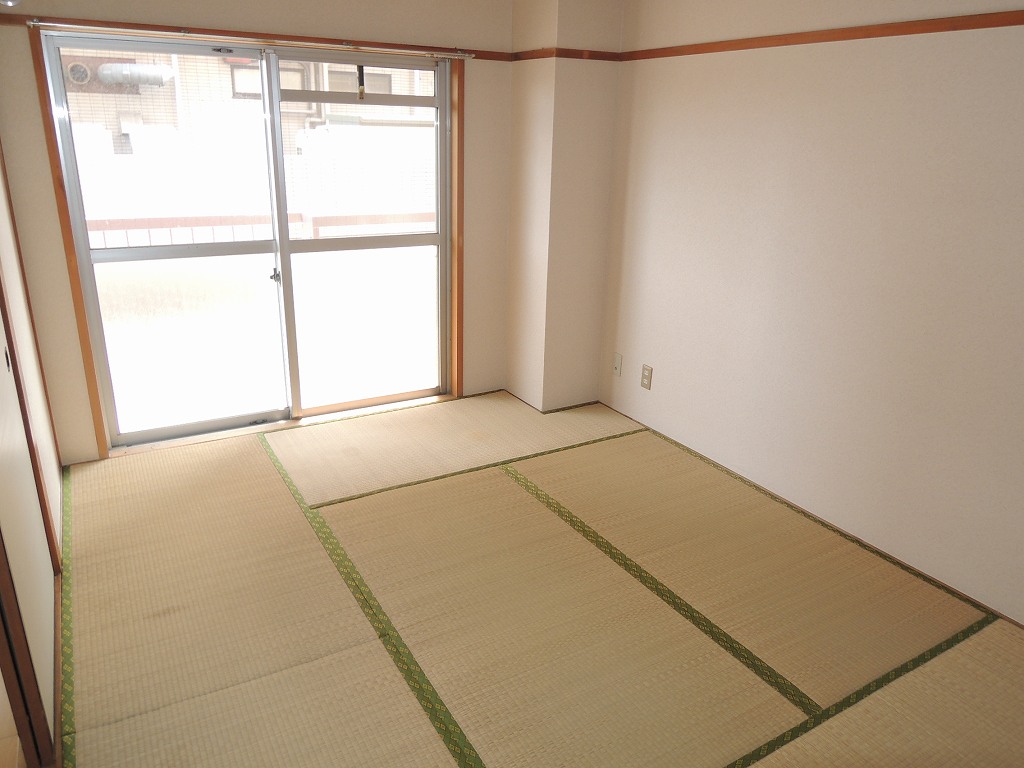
826, 525
66, 729
440, 717
841, 706
722, 638
491, 465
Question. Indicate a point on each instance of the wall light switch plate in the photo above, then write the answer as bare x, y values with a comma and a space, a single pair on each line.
617, 368
645, 377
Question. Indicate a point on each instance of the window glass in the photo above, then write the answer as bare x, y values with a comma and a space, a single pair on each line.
167, 154
356, 170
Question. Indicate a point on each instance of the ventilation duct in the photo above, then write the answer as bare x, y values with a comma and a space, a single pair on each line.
135, 74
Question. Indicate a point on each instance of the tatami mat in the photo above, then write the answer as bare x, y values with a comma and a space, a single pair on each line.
203, 600
545, 651
964, 708
212, 622
350, 457
345, 709
826, 613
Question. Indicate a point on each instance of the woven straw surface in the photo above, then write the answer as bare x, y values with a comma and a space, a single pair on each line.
547, 652
210, 628
965, 708
345, 458
825, 612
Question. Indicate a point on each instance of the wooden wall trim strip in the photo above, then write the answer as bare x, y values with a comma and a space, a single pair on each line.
893, 29
491, 55
566, 53
15, 20
841, 34
64, 217
864, 32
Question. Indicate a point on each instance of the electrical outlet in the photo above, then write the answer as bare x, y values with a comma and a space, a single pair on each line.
645, 377
617, 368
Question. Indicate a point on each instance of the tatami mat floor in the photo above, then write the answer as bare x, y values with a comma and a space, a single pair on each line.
473, 583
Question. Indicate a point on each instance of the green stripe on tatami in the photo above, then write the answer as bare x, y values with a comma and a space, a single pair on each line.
342, 460
695, 617
440, 717
492, 465
67, 656
828, 713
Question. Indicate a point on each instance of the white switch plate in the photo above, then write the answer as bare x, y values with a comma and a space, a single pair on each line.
618, 364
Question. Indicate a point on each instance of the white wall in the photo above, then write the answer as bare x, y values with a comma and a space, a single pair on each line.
534, 24
581, 184
488, 150
533, 114
820, 254
563, 132
594, 25
459, 23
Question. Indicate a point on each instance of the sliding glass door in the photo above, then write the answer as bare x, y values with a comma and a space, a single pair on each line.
261, 233
361, 154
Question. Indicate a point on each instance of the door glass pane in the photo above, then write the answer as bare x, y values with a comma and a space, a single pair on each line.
356, 169
168, 151
192, 339
367, 323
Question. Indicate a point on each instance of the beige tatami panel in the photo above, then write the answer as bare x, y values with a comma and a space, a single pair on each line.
965, 708
345, 709
826, 613
203, 603
545, 651
346, 458
210, 626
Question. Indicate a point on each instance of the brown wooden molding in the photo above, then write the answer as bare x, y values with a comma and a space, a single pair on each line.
566, 53
490, 55
539, 53
458, 206
892, 29
14, 20
864, 32
64, 218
